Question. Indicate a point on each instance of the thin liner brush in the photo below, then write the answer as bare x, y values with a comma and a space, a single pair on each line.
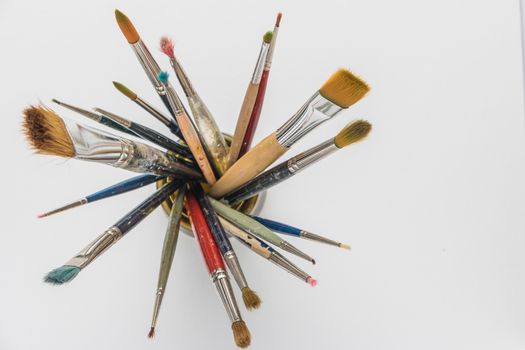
297, 232
86, 256
352, 133
216, 269
259, 101
113, 190
250, 298
168, 252
339, 92
208, 129
249, 101
256, 229
267, 252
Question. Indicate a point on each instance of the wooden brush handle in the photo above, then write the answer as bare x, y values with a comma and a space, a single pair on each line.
249, 166
250, 241
242, 122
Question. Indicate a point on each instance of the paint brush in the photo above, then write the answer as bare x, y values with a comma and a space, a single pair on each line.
267, 252
353, 132
216, 269
256, 229
113, 190
70, 270
339, 92
168, 252
259, 100
297, 232
249, 101
208, 129
49, 134
250, 298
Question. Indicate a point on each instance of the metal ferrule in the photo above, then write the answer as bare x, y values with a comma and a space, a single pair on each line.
95, 248
183, 78
317, 238
259, 67
269, 56
67, 206
153, 111
314, 112
224, 288
230, 258
149, 64
302, 160
156, 307
117, 119
85, 113
287, 265
291, 249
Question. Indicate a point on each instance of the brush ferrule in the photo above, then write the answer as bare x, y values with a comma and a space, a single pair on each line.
304, 159
314, 112
224, 288
230, 258
95, 248
259, 67
156, 307
269, 56
183, 78
149, 64
85, 113
117, 119
293, 250
317, 238
66, 207
153, 111
287, 265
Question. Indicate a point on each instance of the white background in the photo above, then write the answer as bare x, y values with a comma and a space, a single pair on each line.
432, 203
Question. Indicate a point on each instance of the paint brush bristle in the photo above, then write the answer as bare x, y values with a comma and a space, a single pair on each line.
151, 332
62, 275
46, 132
345, 246
354, 132
250, 298
163, 77
127, 28
344, 88
278, 19
267, 37
241, 334
125, 91
166, 46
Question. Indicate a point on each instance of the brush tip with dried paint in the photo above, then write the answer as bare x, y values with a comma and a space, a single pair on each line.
250, 298
151, 332
241, 334
267, 37
167, 46
354, 132
278, 19
344, 88
62, 275
127, 28
163, 77
125, 91
311, 281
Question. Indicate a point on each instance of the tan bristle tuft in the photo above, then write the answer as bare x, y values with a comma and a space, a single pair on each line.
241, 334
46, 132
278, 19
344, 88
127, 28
124, 90
345, 246
250, 298
352, 133
267, 37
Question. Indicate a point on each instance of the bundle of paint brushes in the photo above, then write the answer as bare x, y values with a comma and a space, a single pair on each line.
198, 173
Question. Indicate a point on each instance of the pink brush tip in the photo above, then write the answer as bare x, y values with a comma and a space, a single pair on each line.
166, 46
311, 281
40, 216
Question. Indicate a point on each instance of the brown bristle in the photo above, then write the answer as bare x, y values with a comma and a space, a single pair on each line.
151, 333
250, 298
352, 133
46, 132
344, 88
127, 28
241, 334
278, 19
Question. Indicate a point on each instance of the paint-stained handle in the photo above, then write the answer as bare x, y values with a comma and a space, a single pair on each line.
250, 165
248, 240
279, 226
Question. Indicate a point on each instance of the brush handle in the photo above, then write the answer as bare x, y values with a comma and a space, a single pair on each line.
210, 251
252, 242
242, 122
279, 226
123, 187
255, 115
159, 139
116, 126
249, 166
145, 208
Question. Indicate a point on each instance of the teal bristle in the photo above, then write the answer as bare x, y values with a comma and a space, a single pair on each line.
163, 77
62, 274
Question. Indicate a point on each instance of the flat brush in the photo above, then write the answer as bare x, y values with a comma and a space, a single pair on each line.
259, 100
113, 190
49, 134
250, 298
249, 101
297, 232
216, 269
208, 129
168, 252
256, 229
354, 132
267, 252
339, 92
70, 270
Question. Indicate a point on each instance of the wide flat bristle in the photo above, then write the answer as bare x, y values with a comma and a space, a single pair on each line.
151, 332
250, 298
278, 19
344, 88
62, 275
241, 334
352, 133
127, 28
267, 37
166, 46
46, 132
124, 90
